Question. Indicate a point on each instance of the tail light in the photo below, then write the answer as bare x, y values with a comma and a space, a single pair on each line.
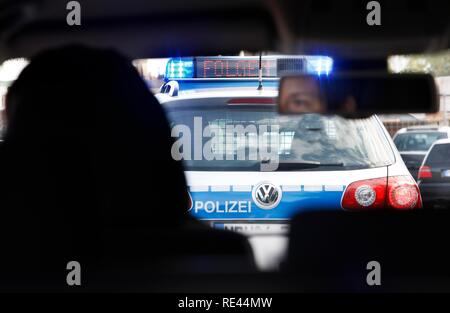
425, 172
397, 192
403, 193
357, 193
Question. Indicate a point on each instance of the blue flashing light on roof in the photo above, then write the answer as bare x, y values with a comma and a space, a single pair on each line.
180, 68
320, 65
241, 68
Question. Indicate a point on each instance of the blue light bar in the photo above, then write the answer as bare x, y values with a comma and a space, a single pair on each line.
180, 68
320, 65
246, 67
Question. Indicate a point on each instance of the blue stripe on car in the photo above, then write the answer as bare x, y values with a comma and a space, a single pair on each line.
213, 205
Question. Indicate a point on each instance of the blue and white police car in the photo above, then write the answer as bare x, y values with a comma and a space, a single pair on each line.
250, 169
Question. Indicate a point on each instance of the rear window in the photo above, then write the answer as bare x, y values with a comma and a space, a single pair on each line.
417, 141
301, 142
439, 154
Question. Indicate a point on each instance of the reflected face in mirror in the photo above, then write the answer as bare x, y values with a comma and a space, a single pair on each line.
301, 94
357, 95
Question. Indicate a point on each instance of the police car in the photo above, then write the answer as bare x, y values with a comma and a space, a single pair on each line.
250, 169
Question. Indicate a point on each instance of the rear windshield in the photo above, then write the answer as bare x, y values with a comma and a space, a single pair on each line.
302, 142
439, 155
417, 141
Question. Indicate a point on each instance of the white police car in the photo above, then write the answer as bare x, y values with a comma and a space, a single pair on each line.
250, 169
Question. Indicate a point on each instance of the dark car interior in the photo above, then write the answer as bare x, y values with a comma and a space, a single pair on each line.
80, 178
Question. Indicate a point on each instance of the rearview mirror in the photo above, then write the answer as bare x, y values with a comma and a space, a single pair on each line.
358, 95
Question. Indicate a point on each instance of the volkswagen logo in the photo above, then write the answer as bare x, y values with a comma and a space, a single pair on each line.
266, 195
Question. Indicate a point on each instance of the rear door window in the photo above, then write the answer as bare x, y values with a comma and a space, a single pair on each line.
439, 155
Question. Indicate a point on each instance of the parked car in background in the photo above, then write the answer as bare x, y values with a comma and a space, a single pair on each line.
413, 144
434, 175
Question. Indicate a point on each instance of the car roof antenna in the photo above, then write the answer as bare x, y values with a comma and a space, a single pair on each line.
260, 86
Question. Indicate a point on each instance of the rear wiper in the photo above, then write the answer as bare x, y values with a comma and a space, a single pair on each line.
286, 165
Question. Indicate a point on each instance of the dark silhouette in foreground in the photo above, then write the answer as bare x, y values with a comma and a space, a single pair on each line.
87, 175
354, 251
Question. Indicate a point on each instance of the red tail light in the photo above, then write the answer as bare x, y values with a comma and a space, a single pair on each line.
425, 172
353, 196
403, 193
397, 192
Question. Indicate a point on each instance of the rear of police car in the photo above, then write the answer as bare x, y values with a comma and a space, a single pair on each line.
250, 169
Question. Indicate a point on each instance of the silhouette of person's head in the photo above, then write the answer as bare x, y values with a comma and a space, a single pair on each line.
87, 143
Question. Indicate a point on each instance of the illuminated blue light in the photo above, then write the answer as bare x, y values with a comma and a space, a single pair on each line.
320, 65
184, 68
180, 68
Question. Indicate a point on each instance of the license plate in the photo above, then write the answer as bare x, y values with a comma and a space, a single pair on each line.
253, 229
446, 173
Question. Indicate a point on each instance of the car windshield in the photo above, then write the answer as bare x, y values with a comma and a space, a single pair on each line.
246, 136
417, 141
